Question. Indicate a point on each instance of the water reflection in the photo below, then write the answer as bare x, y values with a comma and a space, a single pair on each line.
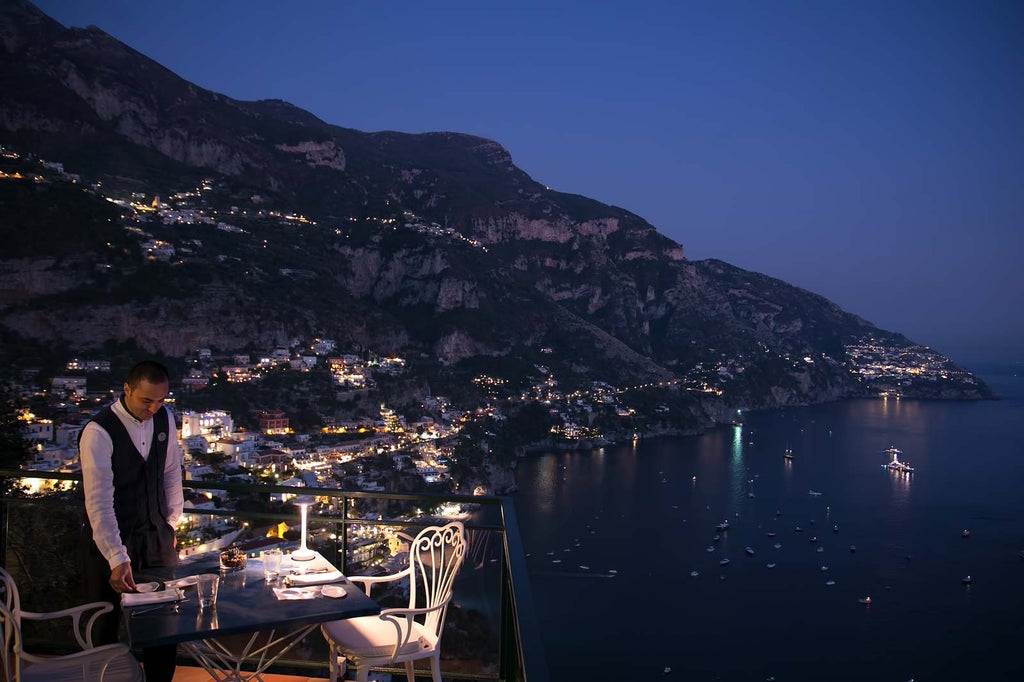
901, 483
737, 471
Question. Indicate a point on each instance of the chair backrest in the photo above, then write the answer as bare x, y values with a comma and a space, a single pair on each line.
9, 592
435, 557
10, 663
10, 628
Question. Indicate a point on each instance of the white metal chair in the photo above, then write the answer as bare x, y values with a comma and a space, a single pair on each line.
107, 663
404, 635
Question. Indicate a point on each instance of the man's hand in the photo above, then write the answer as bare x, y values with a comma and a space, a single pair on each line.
121, 578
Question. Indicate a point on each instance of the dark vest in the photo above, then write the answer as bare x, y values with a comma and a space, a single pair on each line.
140, 501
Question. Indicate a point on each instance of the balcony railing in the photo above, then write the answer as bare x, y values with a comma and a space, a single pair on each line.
491, 632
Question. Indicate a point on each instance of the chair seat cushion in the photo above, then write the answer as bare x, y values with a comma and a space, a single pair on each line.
371, 637
123, 667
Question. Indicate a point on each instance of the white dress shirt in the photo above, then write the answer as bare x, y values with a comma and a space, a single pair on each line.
95, 450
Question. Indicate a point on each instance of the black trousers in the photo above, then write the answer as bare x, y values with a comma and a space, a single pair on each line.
147, 564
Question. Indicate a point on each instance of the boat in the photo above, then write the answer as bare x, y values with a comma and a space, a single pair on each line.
798, 529
724, 562
824, 568
853, 548
749, 551
694, 574
771, 565
711, 548
788, 454
820, 549
814, 493
724, 525
830, 583
865, 600
814, 538
585, 568
965, 533
772, 533
717, 537
966, 580
894, 461
777, 545
1021, 554
835, 529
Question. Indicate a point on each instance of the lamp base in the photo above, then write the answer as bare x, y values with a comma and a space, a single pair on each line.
303, 555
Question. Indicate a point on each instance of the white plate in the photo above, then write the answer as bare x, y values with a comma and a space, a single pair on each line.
147, 587
187, 581
332, 591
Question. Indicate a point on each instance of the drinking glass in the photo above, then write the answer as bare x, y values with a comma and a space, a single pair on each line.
272, 564
206, 588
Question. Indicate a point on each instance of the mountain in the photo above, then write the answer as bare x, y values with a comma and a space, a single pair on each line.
174, 218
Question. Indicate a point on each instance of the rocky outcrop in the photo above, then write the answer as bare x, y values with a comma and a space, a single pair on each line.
22, 280
324, 153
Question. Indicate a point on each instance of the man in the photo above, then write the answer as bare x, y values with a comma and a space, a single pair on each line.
131, 474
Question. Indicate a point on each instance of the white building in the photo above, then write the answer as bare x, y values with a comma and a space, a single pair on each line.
39, 430
67, 434
74, 385
212, 423
239, 448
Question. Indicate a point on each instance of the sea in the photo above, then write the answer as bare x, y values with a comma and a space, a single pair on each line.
626, 570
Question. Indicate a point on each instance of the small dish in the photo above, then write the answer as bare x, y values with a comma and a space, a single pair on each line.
291, 593
333, 591
180, 583
147, 587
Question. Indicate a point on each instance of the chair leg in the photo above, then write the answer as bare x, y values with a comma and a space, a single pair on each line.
362, 673
336, 665
435, 667
409, 675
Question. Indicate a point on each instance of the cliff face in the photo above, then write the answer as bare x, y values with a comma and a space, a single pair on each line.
433, 245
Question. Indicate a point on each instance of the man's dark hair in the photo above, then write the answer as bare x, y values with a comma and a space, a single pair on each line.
150, 370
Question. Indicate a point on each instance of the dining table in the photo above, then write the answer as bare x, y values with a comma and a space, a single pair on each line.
254, 622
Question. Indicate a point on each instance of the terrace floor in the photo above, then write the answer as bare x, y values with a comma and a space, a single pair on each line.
185, 673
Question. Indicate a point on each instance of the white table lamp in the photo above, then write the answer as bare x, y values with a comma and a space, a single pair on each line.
303, 553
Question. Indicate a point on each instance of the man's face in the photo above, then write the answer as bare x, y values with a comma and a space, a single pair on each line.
145, 399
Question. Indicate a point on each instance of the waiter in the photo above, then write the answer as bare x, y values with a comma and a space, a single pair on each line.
131, 475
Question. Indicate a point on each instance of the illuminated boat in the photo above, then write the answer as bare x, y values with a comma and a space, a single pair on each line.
894, 461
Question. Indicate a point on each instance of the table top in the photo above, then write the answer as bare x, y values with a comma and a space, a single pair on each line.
245, 604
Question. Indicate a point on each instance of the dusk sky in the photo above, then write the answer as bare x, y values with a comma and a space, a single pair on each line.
871, 152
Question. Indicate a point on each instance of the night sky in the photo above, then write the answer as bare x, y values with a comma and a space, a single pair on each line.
871, 152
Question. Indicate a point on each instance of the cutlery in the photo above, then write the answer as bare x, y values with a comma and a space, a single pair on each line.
155, 607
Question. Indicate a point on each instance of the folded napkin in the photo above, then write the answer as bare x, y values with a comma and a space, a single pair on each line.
314, 578
140, 598
296, 592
